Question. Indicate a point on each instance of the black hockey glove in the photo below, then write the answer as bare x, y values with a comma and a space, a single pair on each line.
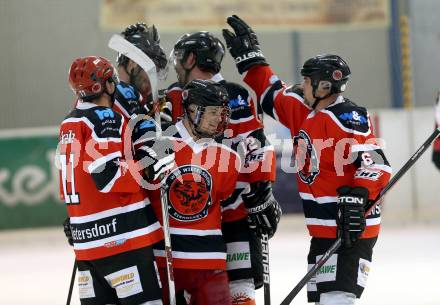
243, 44
264, 211
351, 213
156, 157
68, 231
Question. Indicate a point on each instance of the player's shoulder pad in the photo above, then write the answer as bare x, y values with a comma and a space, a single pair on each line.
129, 99
238, 95
350, 117
105, 122
125, 91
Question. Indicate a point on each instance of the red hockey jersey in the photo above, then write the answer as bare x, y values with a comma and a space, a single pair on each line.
333, 147
245, 127
204, 176
109, 213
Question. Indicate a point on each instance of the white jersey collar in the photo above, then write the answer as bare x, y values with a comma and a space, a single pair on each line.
217, 78
85, 105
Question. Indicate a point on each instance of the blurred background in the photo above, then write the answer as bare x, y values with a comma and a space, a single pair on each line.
391, 47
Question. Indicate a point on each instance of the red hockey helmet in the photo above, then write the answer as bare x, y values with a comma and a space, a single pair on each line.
87, 76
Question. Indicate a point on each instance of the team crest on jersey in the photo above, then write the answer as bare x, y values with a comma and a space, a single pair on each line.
189, 193
306, 159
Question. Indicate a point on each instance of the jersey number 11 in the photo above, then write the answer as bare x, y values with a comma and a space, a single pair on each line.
72, 197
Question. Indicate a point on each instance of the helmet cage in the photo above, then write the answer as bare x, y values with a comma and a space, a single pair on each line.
224, 112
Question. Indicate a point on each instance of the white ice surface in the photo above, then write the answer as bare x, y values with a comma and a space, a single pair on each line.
36, 265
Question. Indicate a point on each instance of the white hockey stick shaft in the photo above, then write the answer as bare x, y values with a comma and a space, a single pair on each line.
121, 45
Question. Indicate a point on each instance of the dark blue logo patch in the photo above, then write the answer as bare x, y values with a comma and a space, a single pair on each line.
353, 117
127, 92
237, 102
147, 124
105, 114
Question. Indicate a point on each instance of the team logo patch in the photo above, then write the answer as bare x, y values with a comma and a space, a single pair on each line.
306, 159
127, 92
126, 282
189, 193
363, 272
337, 75
237, 102
327, 272
96, 87
354, 118
85, 284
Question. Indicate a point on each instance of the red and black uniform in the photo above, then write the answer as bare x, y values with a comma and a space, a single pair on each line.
110, 215
333, 147
204, 176
259, 165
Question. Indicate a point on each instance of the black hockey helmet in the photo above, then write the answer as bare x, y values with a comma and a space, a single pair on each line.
203, 94
327, 67
147, 39
209, 50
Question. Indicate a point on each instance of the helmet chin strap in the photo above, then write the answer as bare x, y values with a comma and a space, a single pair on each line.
318, 99
194, 126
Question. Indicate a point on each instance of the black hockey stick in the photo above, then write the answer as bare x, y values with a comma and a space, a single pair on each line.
368, 208
266, 275
72, 280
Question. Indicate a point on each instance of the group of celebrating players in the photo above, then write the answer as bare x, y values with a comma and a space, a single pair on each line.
209, 163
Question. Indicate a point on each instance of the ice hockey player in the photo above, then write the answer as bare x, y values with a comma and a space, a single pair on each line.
340, 166
134, 95
205, 172
111, 221
199, 56
436, 150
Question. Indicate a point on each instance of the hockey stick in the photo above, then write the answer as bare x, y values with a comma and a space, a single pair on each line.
72, 280
266, 274
368, 209
121, 45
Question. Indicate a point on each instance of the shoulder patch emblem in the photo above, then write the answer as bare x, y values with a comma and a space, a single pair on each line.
147, 124
353, 118
128, 92
237, 102
105, 114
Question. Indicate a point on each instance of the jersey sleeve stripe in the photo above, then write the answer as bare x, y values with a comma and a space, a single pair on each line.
101, 179
111, 212
320, 200
103, 160
364, 147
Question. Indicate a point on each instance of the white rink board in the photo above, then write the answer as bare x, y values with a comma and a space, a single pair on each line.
36, 265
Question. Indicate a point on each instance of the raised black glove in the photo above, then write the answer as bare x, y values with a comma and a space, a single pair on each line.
157, 158
351, 213
68, 231
264, 211
243, 44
